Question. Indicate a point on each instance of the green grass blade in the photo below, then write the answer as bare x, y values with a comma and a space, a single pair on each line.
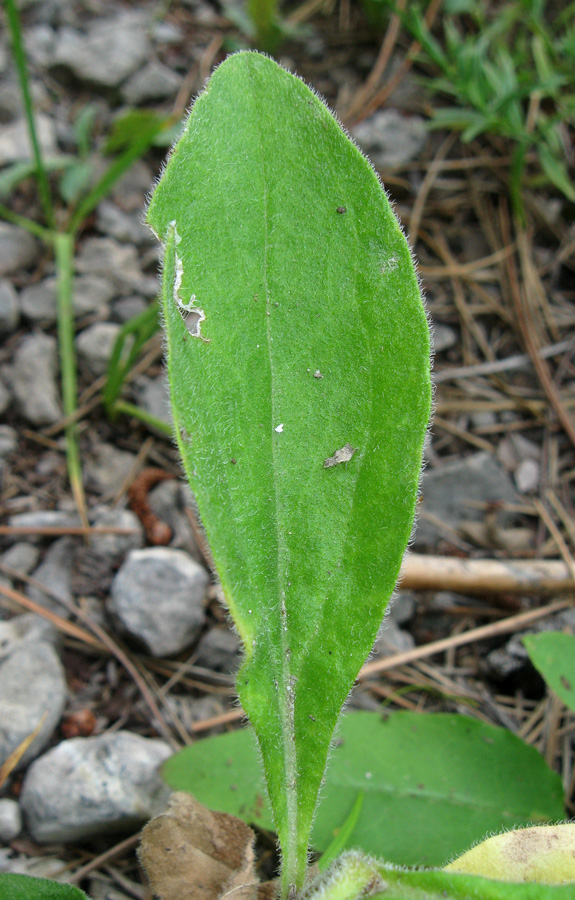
64, 253
19, 52
310, 341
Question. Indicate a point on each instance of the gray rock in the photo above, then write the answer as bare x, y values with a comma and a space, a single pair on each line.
527, 476
8, 440
105, 56
40, 42
38, 867
189, 711
91, 295
392, 639
131, 190
32, 686
22, 557
109, 259
114, 545
127, 228
402, 608
34, 384
15, 144
10, 820
112, 783
24, 630
166, 33
154, 398
95, 344
127, 307
390, 139
450, 490
5, 398
158, 595
219, 650
108, 468
18, 249
509, 660
444, 337
154, 82
168, 500
55, 573
9, 307
44, 518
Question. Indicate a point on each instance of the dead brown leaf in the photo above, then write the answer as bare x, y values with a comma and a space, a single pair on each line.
190, 852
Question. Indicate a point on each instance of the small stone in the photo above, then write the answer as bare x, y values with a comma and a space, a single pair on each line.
18, 249
55, 573
127, 228
95, 345
527, 475
8, 440
9, 307
10, 820
154, 398
158, 595
451, 490
444, 337
219, 650
108, 468
34, 384
392, 639
91, 295
112, 784
15, 143
107, 258
104, 57
32, 686
131, 190
28, 628
44, 518
402, 607
390, 139
39, 867
114, 545
166, 33
154, 82
127, 307
168, 500
22, 557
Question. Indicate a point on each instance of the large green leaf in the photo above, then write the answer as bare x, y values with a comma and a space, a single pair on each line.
553, 655
432, 785
298, 355
25, 887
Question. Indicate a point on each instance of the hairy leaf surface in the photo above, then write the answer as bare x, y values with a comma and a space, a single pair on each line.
295, 329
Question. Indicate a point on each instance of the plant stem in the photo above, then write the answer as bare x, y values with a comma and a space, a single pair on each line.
130, 409
27, 224
15, 27
64, 253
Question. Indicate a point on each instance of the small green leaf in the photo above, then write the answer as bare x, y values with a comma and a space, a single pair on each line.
25, 887
295, 331
553, 655
432, 785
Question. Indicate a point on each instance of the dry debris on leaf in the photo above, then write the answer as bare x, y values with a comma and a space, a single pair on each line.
190, 851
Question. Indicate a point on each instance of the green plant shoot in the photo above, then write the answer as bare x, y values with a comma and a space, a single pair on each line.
298, 356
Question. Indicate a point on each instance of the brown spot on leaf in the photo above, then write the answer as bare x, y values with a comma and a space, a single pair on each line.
340, 456
566, 683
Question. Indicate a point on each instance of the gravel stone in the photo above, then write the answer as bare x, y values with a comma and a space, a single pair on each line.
104, 57
10, 820
34, 384
512, 659
15, 144
44, 518
450, 490
154, 398
402, 608
219, 650
127, 228
168, 500
95, 345
108, 468
392, 639
55, 573
158, 595
527, 475
127, 307
9, 307
32, 683
112, 784
22, 557
444, 337
91, 295
113, 545
37, 867
390, 139
154, 82
26, 629
109, 259
18, 249
8, 440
